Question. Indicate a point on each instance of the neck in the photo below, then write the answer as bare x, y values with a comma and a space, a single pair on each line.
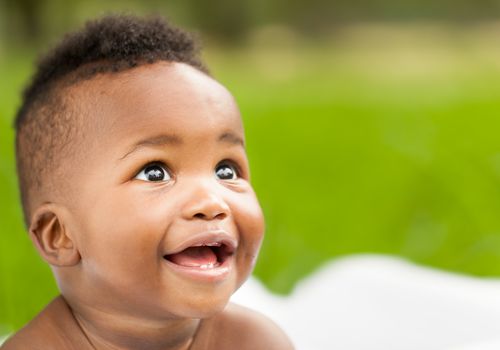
111, 331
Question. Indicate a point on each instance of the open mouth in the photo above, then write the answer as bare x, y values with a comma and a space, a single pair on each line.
202, 256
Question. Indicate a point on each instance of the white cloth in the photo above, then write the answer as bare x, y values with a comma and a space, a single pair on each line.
376, 302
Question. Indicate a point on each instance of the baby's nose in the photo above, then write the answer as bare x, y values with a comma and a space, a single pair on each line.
206, 204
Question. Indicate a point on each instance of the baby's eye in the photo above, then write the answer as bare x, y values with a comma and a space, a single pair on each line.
153, 172
226, 171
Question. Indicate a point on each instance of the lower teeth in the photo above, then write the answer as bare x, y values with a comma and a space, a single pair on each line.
207, 266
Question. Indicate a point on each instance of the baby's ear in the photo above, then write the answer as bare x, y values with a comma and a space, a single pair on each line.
51, 238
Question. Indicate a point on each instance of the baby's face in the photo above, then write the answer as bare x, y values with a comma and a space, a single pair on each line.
162, 212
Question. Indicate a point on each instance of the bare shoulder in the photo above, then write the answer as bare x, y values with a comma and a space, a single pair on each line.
53, 328
23, 339
31, 336
242, 328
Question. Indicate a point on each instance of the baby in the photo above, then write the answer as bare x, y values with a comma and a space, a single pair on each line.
135, 188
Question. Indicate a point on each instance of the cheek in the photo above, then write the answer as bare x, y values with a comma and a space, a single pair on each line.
123, 233
250, 222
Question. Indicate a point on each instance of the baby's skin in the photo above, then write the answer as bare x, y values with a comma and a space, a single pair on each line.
159, 224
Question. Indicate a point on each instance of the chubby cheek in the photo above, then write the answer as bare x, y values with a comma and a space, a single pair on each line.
122, 238
249, 220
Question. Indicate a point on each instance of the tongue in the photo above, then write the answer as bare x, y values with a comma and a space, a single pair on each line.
194, 256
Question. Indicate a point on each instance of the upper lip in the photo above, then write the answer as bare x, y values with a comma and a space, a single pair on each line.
210, 238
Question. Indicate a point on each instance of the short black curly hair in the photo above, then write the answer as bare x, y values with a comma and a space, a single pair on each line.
46, 125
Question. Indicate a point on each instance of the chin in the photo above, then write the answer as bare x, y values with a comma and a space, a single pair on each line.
209, 312
204, 307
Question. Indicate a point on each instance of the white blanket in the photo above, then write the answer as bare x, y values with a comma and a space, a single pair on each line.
378, 302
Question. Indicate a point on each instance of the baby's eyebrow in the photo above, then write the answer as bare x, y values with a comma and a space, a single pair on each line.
232, 138
164, 139
159, 140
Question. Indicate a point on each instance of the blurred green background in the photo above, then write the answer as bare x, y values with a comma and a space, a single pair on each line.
371, 126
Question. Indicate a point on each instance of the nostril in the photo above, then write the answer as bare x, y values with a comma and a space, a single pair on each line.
202, 216
220, 216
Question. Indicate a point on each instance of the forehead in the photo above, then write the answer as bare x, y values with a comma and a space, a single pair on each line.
161, 97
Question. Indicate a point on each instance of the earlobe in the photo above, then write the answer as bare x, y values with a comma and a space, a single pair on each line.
51, 239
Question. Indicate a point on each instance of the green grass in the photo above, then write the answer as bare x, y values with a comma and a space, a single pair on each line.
383, 143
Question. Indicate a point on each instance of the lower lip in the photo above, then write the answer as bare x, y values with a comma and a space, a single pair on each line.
214, 274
